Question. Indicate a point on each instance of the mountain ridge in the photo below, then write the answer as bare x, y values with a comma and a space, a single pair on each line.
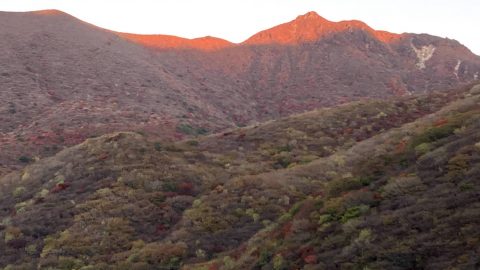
311, 27
210, 43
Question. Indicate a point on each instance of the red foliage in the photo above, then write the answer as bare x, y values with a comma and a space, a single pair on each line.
305, 251
286, 229
440, 122
161, 228
213, 266
170, 194
81, 190
401, 146
217, 248
59, 187
305, 210
237, 253
178, 136
185, 188
347, 131
377, 196
103, 156
307, 255
310, 259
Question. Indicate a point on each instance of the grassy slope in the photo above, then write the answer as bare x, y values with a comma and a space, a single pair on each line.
123, 202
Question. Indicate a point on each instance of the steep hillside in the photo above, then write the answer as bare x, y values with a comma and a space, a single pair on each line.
63, 80
247, 201
406, 199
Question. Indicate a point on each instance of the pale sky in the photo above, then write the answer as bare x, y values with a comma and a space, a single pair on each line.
237, 20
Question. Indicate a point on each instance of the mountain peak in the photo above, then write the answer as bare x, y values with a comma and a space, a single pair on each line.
310, 27
309, 15
312, 15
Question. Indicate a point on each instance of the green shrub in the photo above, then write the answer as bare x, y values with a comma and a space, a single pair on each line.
434, 134
202, 131
326, 218
339, 186
169, 186
158, 199
284, 218
283, 162
12, 233
319, 204
228, 263
25, 159
354, 212
285, 148
185, 129
466, 186
189, 130
193, 143
295, 208
423, 148
264, 258
31, 249
18, 191
279, 262
158, 146
458, 163
69, 263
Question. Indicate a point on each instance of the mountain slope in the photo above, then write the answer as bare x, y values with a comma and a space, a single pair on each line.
65, 80
311, 62
157, 205
407, 199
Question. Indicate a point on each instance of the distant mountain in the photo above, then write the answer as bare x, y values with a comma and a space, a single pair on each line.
64, 80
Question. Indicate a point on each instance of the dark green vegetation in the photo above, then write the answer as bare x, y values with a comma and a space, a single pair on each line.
369, 185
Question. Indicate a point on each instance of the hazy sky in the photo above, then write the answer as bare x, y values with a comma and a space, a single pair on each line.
239, 19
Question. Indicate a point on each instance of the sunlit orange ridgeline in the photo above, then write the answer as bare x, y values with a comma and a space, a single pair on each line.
49, 12
170, 42
305, 28
311, 27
